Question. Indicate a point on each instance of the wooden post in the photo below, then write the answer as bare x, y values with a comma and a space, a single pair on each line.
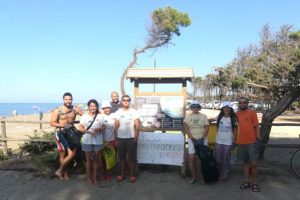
3, 131
41, 117
136, 91
183, 91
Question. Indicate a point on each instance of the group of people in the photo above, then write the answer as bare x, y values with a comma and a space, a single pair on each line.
239, 129
113, 126
116, 125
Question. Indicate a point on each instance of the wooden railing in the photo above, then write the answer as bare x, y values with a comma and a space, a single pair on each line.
4, 139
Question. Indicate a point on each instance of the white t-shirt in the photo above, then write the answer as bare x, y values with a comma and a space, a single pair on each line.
88, 138
126, 122
109, 122
224, 133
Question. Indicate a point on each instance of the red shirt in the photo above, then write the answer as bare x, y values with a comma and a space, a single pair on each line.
248, 123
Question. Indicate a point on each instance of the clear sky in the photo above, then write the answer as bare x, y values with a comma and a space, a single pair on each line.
48, 47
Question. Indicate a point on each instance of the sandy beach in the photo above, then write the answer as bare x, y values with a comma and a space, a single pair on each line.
276, 180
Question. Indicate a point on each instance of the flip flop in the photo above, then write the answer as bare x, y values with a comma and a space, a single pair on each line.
120, 178
245, 185
132, 179
107, 177
255, 188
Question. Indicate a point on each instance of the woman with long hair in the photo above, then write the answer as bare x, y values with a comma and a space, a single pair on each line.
91, 124
226, 134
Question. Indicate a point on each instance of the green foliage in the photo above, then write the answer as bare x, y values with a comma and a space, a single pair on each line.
295, 35
169, 20
2, 156
39, 147
238, 83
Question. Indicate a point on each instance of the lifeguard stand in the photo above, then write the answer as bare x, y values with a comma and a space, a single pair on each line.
161, 111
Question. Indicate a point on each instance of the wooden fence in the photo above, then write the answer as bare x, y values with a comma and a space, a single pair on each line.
4, 139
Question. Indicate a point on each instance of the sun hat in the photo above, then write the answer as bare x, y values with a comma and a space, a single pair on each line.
227, 104
105, 104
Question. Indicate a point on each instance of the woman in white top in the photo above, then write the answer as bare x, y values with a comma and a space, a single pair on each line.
226, 134
91, 124
108, 133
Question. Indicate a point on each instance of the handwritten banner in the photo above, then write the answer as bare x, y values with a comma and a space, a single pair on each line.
160, 148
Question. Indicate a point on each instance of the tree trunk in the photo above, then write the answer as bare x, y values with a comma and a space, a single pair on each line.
132, 63
272, 113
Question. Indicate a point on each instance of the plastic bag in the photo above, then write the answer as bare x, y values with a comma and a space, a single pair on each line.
109, 155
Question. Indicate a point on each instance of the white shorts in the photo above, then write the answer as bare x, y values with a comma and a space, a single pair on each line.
191, 145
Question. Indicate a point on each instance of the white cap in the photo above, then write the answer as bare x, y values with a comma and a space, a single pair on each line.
106, 104
195, 102
227, 104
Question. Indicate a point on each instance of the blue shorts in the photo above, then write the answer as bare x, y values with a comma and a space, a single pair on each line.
61, 142
92, 147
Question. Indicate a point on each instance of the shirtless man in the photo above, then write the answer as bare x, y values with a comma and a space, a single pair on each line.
62, 118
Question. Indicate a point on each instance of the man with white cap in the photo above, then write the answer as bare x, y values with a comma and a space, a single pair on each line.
196, 128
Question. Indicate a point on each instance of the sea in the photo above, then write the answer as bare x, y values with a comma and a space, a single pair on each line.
11, 109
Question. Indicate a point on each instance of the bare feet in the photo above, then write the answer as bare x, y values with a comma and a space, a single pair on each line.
89, 181
96, 182
60, 176
66, 176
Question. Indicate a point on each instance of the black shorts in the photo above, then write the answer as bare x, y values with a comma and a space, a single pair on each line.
127, 147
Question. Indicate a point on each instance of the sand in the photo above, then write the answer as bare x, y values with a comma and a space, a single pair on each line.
276, 180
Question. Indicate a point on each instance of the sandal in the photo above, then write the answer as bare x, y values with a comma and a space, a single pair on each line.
107, 177
120, 178
245, 185
192, 181
255, 188
132, 179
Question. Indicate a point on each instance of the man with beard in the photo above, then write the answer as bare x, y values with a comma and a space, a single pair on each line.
248, 137
115, 103
62, 119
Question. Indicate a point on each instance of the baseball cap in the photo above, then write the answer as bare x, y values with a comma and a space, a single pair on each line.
195, 102
106, 104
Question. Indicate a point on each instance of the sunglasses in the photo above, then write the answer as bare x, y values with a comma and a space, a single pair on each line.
195, 106
126, 100
242, 102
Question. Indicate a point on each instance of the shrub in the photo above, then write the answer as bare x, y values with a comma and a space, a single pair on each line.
39, 147
2, 156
